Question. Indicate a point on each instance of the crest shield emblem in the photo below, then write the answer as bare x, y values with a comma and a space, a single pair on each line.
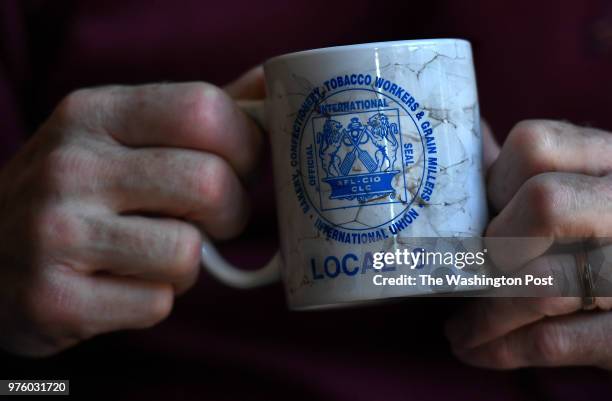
358, 155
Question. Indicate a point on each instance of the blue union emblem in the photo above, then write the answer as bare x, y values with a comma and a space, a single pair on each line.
359, 156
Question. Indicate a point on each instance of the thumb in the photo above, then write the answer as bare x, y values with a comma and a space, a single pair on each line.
249, 86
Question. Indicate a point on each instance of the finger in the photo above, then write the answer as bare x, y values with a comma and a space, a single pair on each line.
80, 306
577, 339
198, 187
549, 206
154, 249
560, 265
538, 146
249, 86
487, 319
560, 268
196, 116
109, 303
490, 146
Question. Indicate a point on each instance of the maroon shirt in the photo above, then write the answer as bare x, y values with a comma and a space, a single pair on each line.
533, 59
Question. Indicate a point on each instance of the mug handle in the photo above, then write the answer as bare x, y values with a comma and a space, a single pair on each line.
214, 263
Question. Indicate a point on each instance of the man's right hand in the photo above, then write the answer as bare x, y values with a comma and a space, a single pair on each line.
100, 212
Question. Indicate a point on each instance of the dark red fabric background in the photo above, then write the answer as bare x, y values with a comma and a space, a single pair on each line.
543, 59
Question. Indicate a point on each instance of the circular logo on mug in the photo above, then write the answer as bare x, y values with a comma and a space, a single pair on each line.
364, 158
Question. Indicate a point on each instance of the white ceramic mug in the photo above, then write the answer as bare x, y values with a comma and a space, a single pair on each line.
374, 145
